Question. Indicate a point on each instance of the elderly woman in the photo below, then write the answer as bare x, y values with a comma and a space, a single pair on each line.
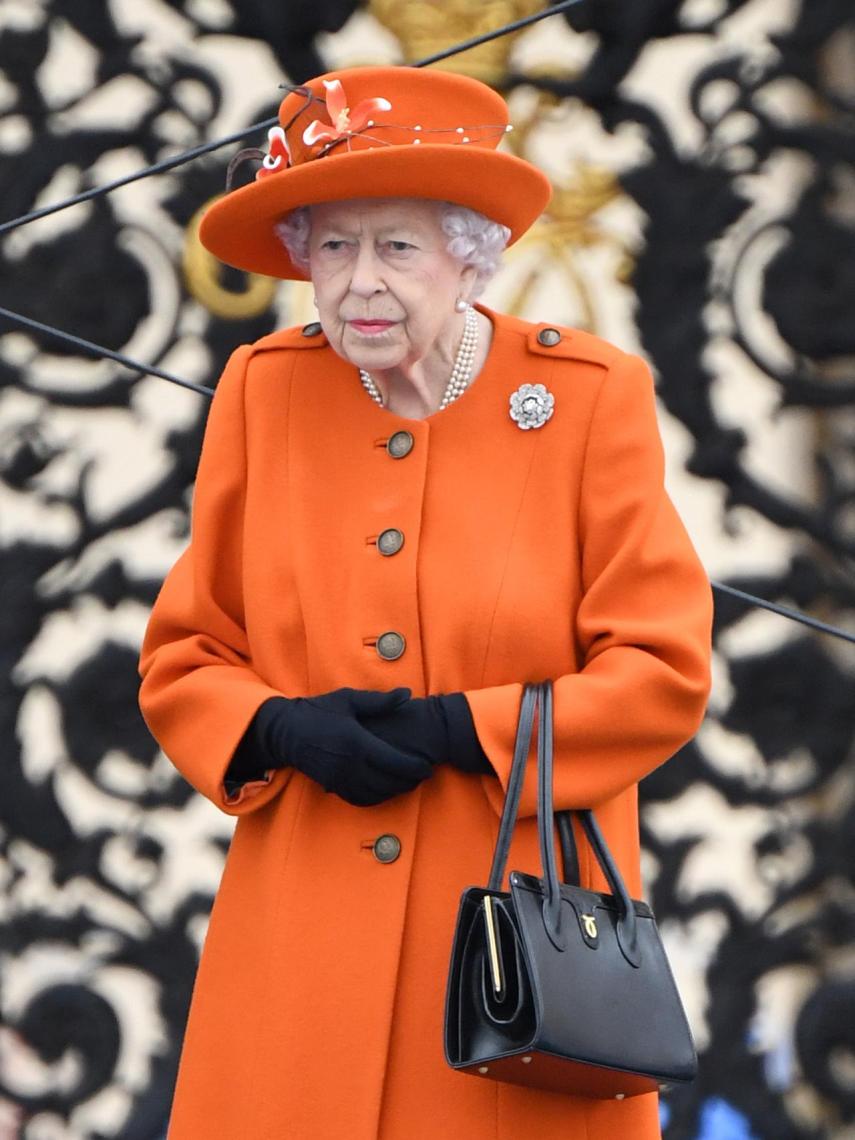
403, 512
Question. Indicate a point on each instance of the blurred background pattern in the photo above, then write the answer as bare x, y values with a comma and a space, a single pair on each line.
703, 158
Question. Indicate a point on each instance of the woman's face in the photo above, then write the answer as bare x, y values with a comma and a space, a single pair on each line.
384, 281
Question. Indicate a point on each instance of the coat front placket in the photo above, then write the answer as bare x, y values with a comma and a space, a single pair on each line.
354, 474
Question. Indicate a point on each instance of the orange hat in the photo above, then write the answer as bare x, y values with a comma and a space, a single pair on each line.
376, 132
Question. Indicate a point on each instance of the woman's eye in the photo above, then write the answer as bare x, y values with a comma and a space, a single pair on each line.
399, 246
334, 244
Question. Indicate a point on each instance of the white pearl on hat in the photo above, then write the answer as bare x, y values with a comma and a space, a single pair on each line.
417, 127
461, 373
466, 138
459, 130
417, 142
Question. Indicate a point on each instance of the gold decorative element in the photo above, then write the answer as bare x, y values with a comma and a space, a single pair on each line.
574, 204
424, 27
202, 274
570, 225
493, 947
590, 922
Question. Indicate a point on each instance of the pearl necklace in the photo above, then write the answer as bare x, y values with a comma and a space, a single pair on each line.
461, 373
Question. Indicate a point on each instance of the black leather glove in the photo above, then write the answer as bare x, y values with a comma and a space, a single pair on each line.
439, 729
323, 737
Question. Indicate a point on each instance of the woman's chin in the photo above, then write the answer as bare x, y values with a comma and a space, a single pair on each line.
374, 358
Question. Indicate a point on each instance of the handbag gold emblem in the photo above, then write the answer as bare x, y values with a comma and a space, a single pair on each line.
590, 925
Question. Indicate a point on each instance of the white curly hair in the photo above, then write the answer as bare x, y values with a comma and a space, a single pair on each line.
473, 239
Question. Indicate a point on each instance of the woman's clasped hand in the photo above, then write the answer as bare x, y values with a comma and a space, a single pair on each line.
362, 745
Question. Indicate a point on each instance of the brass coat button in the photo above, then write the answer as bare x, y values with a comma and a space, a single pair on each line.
312, 329
390, 645
400, 444
386, 848
548, 337
390, 541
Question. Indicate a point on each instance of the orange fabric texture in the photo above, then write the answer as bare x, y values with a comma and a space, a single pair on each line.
552, 552
437, 140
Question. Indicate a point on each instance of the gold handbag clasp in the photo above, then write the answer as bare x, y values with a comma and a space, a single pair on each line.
589, 929
497, 974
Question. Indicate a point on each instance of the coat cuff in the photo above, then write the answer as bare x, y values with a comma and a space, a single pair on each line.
253, 760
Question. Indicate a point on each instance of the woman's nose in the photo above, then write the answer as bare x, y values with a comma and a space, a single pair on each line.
367, 273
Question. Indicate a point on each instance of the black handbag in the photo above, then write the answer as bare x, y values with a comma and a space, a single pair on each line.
554, 986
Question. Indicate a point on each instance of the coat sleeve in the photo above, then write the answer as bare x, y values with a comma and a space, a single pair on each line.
642, 627
199, 691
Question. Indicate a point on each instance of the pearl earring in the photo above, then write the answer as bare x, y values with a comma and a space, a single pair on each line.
460, 306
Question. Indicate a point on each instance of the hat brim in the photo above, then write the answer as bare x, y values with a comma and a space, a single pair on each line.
238, 228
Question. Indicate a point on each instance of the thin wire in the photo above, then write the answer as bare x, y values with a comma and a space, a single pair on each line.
785, 611
99, 351
135, 366
108, 187
487, 36
178, 160
206, 148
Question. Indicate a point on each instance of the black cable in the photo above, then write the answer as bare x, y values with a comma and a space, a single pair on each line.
135, 366
206, 148
503, 31
785, 611
169, 164
99, 351
108, 187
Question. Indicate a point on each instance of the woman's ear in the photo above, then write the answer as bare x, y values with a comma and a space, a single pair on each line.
468, 277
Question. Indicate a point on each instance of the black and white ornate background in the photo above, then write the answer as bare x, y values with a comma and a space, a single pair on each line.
703, 153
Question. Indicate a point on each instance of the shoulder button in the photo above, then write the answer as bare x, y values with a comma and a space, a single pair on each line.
547, 337
312, 329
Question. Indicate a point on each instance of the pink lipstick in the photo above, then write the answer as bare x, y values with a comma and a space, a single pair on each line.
371, 327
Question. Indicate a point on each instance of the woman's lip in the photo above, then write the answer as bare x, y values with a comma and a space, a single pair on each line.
371, 326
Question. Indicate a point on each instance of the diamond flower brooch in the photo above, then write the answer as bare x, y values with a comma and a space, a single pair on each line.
531, 406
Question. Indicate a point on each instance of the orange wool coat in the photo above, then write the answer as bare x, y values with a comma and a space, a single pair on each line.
554, 552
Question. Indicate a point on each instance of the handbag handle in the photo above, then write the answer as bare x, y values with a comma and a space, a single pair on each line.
538, 698
627, 932
522, 743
